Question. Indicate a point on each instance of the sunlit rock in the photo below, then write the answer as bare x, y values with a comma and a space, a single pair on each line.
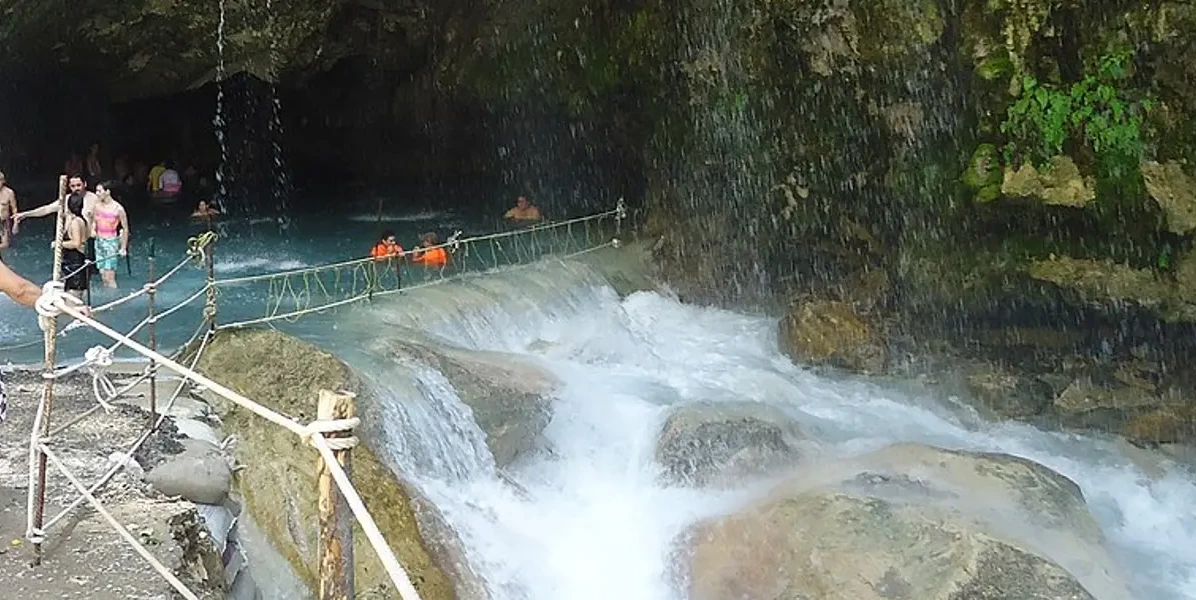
832, 333
1007, 394
719, 444
510, 397
1107, 407
1174, 191
1102, 281
908, 521
279, 480
1059, 184
1167, 425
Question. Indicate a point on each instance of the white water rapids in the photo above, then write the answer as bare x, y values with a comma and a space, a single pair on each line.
591, 520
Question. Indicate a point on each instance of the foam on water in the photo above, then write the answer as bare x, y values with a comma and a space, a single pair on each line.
390, 217
587, 518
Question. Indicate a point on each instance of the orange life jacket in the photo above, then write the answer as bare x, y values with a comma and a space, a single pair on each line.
433, 257
385, 250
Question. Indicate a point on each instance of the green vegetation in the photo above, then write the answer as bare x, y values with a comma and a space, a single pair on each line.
1097, 112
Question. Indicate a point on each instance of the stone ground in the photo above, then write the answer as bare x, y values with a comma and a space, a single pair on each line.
84, 556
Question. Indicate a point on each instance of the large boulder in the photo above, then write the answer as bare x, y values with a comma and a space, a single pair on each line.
1006, 394
834, 546
908, 521
719, 444
832, 333
510, 398
1175, 193
1060, 184
278, 482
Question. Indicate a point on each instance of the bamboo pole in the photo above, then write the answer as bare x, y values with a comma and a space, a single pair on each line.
41, 425
336, 521
153, 341
210, 301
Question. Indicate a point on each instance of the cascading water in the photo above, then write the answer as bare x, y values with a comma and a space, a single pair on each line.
587, 516
281, 183
219, 121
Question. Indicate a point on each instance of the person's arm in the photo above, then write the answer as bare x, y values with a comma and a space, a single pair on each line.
40, 211
510, 214
21, 290
124, 231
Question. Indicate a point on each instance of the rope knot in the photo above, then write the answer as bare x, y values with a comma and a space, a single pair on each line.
98, 356
621, 209
454, 241
318, 428
47, 305
150, 288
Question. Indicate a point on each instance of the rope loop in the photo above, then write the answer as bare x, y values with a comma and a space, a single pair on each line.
320, 427
98, 356
46, 305
454, 241
150, 288
35, 535
197, 246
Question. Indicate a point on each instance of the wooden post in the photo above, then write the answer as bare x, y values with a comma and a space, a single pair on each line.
41, 426
336, 521
153, 341
210, 299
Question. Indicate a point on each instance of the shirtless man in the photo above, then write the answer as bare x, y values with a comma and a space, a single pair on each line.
23, 292
524, 211
76, 184
8, 209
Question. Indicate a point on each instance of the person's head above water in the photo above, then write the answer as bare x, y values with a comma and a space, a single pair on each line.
522, 202
74, 203
77, 183
430, 239
387, 236
104, 190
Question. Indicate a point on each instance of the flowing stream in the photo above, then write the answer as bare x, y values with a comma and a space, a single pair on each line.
585, 515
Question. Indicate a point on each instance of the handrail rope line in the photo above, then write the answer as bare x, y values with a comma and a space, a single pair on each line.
298, 297
163, 413
309, 432
359, 261
120, 529
143, 290
291, 316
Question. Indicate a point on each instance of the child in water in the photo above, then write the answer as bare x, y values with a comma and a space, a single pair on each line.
428, 255
386, 247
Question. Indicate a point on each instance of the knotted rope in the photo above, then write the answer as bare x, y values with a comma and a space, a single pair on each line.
320, 427
197, 246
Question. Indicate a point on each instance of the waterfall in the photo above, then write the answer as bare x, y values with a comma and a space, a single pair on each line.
219, 121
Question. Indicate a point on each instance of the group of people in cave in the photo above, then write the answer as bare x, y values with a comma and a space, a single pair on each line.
431, 253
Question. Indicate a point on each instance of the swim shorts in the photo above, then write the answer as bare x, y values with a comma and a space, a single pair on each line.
107, 253
3, 400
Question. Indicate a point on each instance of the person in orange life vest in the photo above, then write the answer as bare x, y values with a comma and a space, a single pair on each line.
386, 247
428, 254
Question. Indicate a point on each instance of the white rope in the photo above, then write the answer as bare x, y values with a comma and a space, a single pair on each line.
406, 253
120, 529
397, 575
163, 412
312, 433
320, 427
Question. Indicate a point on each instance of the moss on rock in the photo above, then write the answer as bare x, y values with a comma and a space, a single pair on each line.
279, 479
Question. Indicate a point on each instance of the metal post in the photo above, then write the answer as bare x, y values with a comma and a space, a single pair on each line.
151, 292
336, 521
41, 425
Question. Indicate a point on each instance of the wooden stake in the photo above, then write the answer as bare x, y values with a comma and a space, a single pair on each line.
41, 426
336, 521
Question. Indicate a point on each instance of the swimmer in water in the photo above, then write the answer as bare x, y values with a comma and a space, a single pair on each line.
428, 255
386, 247
524, 212
204, 211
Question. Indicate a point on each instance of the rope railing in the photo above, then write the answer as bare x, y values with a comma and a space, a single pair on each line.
290, 294
294, 293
